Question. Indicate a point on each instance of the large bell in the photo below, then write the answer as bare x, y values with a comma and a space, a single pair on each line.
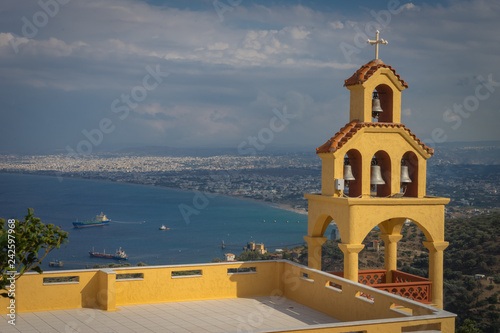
405, 176
376, 108
348, 173
376, 178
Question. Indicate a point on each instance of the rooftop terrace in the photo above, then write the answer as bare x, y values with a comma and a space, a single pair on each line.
263, 296
223, 315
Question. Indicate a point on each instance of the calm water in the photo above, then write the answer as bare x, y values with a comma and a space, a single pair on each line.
233, 221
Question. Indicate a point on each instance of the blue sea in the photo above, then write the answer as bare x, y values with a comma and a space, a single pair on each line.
137, 212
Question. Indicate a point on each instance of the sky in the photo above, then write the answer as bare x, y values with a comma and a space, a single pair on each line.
82, 76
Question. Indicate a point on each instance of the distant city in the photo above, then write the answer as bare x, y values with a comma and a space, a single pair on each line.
468, 174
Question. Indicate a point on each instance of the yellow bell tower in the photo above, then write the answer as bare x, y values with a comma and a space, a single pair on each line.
374, 174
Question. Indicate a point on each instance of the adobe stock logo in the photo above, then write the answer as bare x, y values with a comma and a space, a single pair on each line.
266, 134
120, 106
382, 20
248, 147
221, 7
30, 28
485, 88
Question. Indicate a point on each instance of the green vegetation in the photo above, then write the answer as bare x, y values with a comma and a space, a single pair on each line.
61, 279
112, 265
474, 249
24, 244
332, 258
469, 326
187, 273
128, 276
242, 270
252, 255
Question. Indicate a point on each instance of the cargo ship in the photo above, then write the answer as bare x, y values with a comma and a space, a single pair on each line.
99, 220
119, 255
56, 263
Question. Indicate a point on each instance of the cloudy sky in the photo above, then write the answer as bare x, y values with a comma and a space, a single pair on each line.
105, 74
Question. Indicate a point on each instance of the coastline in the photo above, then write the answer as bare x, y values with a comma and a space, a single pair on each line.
283, 206
196, 241
289, 208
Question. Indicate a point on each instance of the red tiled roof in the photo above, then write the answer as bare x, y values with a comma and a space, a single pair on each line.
350, 129
366, 71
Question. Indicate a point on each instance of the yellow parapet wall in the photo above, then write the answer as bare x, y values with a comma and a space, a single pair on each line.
214, 282
100, 289
358, 307
33, 295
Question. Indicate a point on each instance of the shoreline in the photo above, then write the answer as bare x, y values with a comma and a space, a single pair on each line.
289, 208
283, 206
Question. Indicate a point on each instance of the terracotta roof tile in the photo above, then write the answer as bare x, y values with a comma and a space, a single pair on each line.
350, 129
366, 71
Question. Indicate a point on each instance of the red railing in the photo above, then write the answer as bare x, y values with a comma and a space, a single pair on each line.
368, 277
403, 284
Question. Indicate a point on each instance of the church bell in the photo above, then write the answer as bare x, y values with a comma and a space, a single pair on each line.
376, 178
348, 173
376, 108
405, 175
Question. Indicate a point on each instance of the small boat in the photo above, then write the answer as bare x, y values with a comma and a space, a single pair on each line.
99, 220
119, 255
163, 227
56, 263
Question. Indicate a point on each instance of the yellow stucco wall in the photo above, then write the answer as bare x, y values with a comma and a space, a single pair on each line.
159, 286
355, 217
361, 95
273, 278
345, 304
33, 295
98, 289
396, 142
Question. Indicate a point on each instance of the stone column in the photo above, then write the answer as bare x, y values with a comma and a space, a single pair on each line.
391, 254
314, 251
351, 262
436, 270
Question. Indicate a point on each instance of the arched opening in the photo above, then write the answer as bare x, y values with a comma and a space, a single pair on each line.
329, 255
380, 179
372, 255
410, 160
413, 257
353, 159
385, 95
409, 247
319, 226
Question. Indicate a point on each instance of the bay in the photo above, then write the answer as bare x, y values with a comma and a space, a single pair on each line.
137, 212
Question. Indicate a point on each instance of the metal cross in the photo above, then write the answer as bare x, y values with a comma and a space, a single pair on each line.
377, 42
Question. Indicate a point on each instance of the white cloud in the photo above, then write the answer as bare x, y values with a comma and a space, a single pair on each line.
151, 109
219, 46
299, 33
52, 47
336, 24
226, 77
409, 6
210, 123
